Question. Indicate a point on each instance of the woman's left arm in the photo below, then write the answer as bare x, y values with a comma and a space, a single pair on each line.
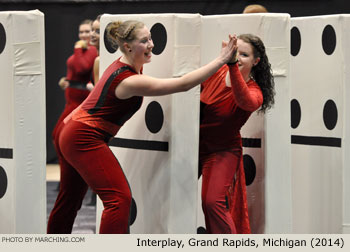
249, 98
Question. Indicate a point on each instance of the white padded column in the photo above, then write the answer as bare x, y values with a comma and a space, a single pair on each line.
22, 129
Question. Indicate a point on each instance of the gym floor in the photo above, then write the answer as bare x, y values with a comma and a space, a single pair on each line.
85, 222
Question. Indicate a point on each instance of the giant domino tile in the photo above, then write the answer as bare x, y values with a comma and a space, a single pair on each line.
320, 123
22, 128
157, 146
266, 145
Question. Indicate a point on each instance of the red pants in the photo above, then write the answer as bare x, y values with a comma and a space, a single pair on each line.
86, 160
218, 173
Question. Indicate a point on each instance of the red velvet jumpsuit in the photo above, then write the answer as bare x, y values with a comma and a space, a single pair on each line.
79, 72
224, 110
86, 159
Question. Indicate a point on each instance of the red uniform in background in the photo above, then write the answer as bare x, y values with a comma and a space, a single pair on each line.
79, 72
86, 159
224, 110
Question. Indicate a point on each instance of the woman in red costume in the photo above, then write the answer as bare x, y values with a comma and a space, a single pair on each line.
87, 159
79, 72
227, 100
95, 41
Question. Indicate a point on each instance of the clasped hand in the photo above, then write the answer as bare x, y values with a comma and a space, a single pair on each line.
229, 49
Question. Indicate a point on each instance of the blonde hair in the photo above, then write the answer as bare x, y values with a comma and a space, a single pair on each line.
255, 8
120, 32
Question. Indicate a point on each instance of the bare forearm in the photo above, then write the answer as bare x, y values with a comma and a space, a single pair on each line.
227, 51
199, 75
139, 85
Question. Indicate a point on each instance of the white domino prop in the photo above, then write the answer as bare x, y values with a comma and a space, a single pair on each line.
23, 128
321, 172
269, 196
345, 20
163, 183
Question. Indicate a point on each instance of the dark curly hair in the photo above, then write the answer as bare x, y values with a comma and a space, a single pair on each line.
261, 72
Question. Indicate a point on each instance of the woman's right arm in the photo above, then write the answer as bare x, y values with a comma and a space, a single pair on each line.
84, 57
63, 83
143, 85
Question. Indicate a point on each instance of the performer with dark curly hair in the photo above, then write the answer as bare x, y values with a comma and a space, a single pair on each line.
228, 98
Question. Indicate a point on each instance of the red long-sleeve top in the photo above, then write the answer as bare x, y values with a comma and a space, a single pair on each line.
80, 64
224, 110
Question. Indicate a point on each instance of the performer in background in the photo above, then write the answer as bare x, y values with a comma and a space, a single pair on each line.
227, 100
255, 8
95, 41
86, 131
79, 72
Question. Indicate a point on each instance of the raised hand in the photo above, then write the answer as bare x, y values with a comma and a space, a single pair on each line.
81, 44
63, 83
229, 49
